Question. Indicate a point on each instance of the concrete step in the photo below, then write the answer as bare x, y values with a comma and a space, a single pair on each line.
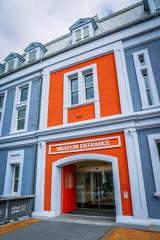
91, 220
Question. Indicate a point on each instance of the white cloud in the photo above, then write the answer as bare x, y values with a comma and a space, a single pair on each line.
24, 21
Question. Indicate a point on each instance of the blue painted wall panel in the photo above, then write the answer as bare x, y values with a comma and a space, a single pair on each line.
27, 182
154, 53
152, 202
33, 109
34, 106
3, 162
28, 169
8, 112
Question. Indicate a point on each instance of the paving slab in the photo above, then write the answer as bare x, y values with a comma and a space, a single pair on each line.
51, 230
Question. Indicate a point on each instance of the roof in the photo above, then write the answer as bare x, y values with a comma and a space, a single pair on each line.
12, 56
34, 45
2, 66
107, 25
83, 21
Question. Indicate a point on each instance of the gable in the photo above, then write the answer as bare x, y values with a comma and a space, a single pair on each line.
34, 45
83, 21
12, 56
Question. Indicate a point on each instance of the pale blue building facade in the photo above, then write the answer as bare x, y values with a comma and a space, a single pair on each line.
133, 35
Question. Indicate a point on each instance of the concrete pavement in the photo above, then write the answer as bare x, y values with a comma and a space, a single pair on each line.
50, 230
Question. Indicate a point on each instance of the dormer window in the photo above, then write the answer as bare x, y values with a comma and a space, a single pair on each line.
83, 29
78, 35
86, 32
34, 52
11, 65
13, 61
32, 55
2, 67
82, 33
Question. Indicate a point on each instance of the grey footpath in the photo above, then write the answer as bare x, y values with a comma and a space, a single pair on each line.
51, 230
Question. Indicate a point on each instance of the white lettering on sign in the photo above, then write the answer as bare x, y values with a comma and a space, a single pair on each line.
87, 145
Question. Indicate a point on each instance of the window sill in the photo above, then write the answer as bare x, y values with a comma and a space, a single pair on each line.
17, 132
81, 104
151, 107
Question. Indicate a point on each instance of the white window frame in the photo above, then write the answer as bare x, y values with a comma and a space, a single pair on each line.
91, 33
2, 110
155, 159
16, 62
18, 105
39, 54
141, 84
14, 158
81, 90
13, 178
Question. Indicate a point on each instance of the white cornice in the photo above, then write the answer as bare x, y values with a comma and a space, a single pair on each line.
139, 120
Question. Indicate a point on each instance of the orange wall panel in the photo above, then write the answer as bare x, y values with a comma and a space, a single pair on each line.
108, 91
119, 152
82, 113
55, 105
108, 86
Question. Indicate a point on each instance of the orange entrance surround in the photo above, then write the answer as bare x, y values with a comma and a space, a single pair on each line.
118, 152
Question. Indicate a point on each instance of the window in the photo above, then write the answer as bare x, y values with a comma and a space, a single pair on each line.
147, 86
11, 65
89, 88
69, 180
20, 115
32, 55
82, 33
145, 77
156, 4
154, 146
21, 107
142, 60
74, 91
81, 87
24, 94
1, 105
21, 118
78, 35
86, 32
16, 170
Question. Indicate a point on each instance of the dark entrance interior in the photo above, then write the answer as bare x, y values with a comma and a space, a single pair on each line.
91, 189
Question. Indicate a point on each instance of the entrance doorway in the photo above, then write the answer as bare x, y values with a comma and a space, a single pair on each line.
88, 189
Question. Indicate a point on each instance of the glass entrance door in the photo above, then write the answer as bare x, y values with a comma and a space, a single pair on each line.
95, 189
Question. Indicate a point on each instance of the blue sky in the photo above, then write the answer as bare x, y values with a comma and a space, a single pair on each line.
25, 21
